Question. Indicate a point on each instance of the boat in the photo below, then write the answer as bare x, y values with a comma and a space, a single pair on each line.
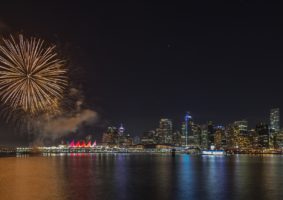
213, 152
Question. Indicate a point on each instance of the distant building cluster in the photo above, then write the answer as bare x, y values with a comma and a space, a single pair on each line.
236, 135
116, 136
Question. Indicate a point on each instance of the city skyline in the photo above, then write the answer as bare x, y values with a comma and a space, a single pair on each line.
168, 126
272, 119
141, 100
193, 138
138, 62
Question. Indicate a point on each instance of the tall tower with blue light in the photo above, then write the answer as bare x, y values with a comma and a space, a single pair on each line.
188, 117
121, 130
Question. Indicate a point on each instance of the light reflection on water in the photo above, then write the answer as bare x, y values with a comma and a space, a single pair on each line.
141, 176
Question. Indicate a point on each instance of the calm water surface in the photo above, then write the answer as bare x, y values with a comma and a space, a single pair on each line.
139, 176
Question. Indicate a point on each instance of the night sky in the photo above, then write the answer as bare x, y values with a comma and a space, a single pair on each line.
139, 62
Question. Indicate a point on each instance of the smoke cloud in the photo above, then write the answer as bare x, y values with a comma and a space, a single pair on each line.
61, 126
73, 118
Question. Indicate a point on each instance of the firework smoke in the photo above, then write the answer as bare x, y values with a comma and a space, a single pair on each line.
72, 119
61, 126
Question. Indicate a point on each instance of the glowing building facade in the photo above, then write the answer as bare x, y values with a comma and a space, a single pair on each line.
275, 120
262, 132
188, 117
81, 144
242, 125
210, 132
121, 130
165, 131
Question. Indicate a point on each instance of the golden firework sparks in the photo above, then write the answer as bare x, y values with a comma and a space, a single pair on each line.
32, 77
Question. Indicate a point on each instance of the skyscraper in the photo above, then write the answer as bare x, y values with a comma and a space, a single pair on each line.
242, 125
111, 136
218, 136
187, 118
274, 127
263, 135
165, 131
211, 131
275, 120
204, 137
121, 130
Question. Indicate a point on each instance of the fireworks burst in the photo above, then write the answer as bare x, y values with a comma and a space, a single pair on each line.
32, 77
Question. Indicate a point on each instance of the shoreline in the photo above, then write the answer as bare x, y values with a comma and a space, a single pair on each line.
30, 154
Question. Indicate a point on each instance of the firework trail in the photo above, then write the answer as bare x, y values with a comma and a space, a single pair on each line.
32, 77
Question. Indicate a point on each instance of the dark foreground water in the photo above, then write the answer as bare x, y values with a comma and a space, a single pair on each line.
137, 176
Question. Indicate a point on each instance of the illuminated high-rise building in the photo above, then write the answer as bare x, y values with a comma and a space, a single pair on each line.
204, 137
195, 136
111, 136
165, 131
121, 130
275, 120
218, 136
274, 127
177, 138
279, 140
262, 132
187, 119
136, 140
148, 137
210, 132
242, 125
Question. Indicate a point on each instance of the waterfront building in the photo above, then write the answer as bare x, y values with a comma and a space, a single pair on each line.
218, 137
232, 136
254, 138
177, 139
275, 120
136, 140
188, 117
274, 127
148, 138
111, 136
244, 141
164, 132
262, 133
121, 130
279, 139
210, 132
235, 137
195, 134
183, 134
243, 126
125, 140
204, 137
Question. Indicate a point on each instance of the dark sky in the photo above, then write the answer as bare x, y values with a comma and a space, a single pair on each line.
143, 61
